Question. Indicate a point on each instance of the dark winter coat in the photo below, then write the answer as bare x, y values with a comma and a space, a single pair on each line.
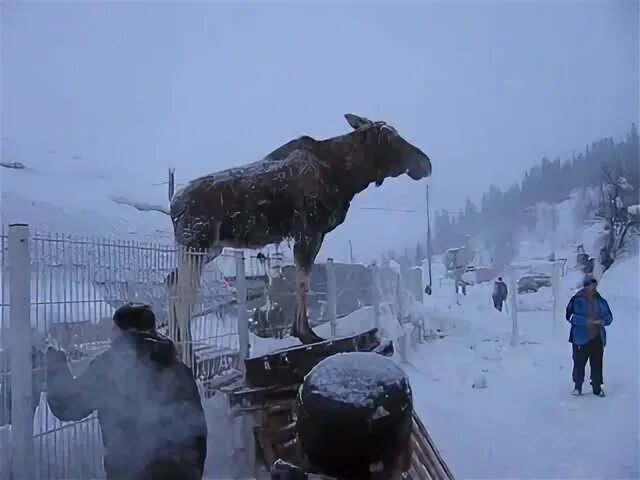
578, 312
500, 290
148, 405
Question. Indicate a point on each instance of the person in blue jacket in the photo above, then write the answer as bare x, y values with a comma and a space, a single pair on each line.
589, 313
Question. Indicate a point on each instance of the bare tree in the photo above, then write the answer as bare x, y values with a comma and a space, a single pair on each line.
614, 211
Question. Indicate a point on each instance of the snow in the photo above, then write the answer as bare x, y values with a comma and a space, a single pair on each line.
356, 322
346, 378
501, 411
141, 206
621, 281
525, 423
569, 230
43, 196
494, 410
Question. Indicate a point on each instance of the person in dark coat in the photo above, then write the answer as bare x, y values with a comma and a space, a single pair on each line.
148, 404
589, 314
500, 293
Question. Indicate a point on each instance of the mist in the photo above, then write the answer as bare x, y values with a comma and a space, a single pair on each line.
118, 92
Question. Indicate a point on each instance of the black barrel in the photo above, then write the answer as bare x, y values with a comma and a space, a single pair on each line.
353, 415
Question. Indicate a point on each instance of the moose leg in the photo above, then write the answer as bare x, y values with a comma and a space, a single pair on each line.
304, 251
184, 287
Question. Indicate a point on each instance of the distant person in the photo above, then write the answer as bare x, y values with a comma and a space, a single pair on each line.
500, 293
149, 409
589, 313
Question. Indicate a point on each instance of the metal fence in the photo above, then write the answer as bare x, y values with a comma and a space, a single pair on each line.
62, 291
336, 290
5, 394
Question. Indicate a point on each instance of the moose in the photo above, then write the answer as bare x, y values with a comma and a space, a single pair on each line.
301, 191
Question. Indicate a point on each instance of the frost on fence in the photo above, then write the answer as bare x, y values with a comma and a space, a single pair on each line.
76, 285
271, 294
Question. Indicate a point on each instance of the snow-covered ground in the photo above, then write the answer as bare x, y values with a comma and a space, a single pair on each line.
525, 423
502, 411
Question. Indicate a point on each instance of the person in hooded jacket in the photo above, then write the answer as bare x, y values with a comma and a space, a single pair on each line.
148, 404
500, 293
589, 314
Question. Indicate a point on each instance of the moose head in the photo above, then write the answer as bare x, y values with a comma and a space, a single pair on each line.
394, 156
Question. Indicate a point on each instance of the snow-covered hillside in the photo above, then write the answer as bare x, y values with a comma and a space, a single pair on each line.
57, 193
560, 228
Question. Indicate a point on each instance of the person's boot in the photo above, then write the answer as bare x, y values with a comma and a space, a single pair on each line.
598, 392
577, 391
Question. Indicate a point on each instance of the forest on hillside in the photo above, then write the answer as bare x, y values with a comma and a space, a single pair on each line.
502, 211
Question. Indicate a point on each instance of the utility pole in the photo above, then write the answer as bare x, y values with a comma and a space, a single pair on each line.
428, 289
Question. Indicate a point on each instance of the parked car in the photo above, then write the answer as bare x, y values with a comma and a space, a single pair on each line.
532, 282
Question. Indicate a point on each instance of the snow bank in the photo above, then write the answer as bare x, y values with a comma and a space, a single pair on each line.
356, 322
622, 279
347, 378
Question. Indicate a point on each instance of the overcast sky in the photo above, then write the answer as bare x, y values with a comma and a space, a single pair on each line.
485, 88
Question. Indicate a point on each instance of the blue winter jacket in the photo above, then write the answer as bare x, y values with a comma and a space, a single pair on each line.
578, 313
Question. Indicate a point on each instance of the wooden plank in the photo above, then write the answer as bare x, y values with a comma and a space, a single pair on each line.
290, 365
427, 454
270, 393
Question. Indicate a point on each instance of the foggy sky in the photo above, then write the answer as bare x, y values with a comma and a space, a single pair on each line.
485, 88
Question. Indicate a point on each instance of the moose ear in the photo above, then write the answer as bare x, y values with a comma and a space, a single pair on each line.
356, 122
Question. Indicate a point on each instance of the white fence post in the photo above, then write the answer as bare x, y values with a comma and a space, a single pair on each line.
513, 305
375, 295
332, 295
400, 313
20, 352
555, 291
243, 320
417, 287
245, 466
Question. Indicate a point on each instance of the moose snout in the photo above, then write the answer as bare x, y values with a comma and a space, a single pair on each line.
420, 165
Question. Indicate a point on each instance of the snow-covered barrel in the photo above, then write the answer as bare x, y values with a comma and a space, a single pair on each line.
354, 415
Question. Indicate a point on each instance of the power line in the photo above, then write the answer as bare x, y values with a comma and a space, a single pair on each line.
389, 209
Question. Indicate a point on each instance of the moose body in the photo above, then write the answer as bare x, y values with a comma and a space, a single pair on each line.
276, 198
300, 191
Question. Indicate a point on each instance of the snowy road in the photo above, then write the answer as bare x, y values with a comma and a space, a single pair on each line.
525, 424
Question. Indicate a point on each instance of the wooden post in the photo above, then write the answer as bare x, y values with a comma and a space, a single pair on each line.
20, 352
332, 295
243, 319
